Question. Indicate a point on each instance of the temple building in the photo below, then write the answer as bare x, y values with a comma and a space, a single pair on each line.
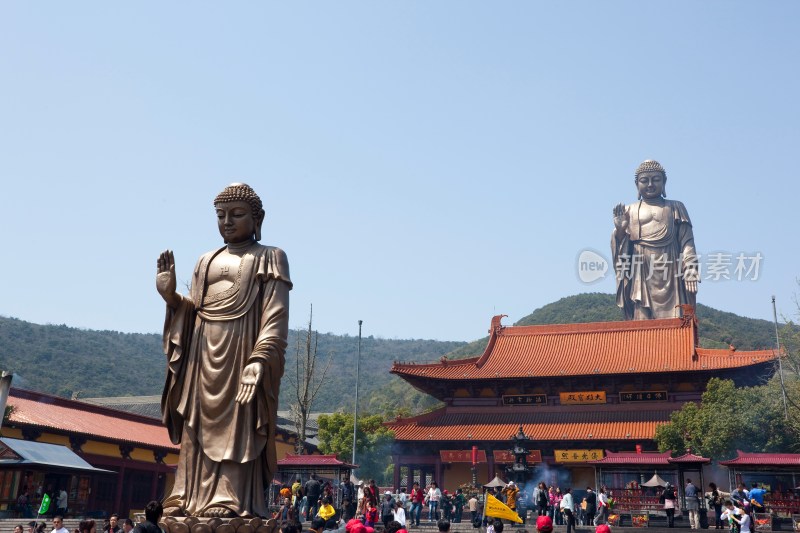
579, 391
131, 456
111, 455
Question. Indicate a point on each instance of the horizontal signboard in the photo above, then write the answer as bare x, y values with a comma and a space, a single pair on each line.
577, 456
525, 399
505, 457
580, 398
461, 456
643, 396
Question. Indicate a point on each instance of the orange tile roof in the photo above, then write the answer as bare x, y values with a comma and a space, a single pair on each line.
46, 412
554, 424
595, 348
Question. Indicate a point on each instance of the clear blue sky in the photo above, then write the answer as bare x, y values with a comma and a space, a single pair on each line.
425, 165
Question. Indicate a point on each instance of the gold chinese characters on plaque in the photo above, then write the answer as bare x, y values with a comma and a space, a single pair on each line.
581, 398
462, 456
577, 456
506, 457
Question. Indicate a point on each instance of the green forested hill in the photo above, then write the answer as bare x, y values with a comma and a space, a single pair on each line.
379, 390
63, 360
718, 329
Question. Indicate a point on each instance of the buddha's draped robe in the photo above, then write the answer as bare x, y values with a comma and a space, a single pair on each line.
650, 264
227, 454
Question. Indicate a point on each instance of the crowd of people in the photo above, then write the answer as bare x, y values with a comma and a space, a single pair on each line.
737, 507
558, 505
30, 498
729, 507
360, 508
544, 524
113, 524
366, 503
315, 499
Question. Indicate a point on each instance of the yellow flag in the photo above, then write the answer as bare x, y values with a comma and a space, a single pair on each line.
498, 509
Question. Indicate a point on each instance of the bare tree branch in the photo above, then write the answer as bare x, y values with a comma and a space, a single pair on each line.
306, 381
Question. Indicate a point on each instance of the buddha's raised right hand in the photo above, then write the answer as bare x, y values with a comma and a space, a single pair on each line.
621, 219
166, 283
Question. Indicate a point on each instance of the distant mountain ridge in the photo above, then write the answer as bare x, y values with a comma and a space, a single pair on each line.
63, 360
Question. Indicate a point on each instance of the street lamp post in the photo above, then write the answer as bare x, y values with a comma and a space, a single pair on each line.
355, 410
780, 365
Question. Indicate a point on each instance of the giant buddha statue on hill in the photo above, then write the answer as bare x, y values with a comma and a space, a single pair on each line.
653, 250
225, 345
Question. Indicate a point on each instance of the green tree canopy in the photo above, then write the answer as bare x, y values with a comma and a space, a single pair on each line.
373, 443
727, 419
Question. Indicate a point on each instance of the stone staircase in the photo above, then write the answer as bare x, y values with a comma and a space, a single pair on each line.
7, 524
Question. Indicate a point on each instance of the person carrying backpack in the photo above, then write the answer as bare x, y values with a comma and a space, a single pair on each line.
458, 505
542, 499
715, 500
387, 508
668, 499
591, 506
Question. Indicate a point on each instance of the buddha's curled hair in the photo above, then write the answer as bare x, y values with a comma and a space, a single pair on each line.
239, 192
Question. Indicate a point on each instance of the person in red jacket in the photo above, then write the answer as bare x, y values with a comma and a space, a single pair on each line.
417, 500
371, 493
371, 518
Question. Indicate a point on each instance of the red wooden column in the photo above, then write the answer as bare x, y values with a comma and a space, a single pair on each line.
120, 486
154, 486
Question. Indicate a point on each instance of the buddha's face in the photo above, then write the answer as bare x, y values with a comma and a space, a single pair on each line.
236, 221
651, 184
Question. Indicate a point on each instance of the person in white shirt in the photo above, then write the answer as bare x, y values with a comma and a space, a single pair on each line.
730, 512
567, 505
402, 497
744, 522
399, 513
434, 495
58, 525
495, 527
473, 507
602, 507
61, 502
362, 504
